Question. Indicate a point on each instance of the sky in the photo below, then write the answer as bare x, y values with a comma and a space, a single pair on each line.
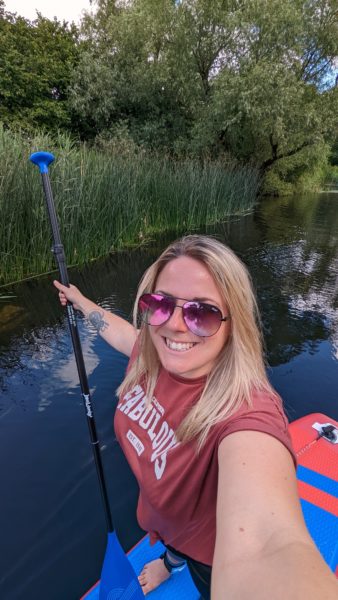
70, 10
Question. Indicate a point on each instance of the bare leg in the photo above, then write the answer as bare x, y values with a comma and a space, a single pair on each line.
155, 572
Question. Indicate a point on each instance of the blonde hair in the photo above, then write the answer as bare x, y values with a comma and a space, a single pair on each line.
239, 368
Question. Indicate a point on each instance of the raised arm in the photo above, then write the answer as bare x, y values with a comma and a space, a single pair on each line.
263, 549
113, 329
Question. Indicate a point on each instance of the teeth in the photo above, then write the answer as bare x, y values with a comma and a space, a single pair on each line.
179, 346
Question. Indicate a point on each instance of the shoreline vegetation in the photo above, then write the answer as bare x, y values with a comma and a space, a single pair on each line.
161, 115
106, 199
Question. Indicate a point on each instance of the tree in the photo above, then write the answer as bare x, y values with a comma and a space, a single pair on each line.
122, 77
247, 79
36, 62
269, 103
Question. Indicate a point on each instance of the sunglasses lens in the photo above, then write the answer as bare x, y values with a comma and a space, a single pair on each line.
202, 319
155, 309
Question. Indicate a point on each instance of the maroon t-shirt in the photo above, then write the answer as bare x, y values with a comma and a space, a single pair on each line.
178, 487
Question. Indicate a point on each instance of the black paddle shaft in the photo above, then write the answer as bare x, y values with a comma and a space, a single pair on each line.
59, 255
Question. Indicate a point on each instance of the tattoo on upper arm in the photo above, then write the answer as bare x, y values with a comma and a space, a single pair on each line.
95, 318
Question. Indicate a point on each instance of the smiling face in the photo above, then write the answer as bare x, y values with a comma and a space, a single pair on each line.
180, 351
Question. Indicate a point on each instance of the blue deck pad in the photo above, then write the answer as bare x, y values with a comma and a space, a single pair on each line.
178, 587
321, 482
323, 527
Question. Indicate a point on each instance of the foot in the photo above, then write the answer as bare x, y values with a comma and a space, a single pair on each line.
152, 575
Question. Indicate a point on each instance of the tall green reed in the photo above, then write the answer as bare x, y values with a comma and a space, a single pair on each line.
105, 200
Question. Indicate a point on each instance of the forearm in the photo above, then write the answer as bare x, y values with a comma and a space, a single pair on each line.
294, 571
115, 330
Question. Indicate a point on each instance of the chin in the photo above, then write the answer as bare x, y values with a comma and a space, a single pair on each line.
183, 370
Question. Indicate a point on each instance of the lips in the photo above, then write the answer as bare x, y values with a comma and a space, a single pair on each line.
179, 346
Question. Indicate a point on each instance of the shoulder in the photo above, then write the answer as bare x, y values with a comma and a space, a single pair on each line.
265, 414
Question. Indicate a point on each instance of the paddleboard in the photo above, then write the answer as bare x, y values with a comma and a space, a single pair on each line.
315, 441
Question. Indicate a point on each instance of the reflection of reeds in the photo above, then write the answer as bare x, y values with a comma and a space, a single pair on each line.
105, 201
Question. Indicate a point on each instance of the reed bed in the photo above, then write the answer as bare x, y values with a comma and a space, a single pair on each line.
105, 201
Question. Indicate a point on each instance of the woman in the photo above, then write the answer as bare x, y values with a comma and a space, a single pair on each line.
205, 433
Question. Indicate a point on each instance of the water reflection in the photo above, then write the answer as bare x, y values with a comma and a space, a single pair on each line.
301, 272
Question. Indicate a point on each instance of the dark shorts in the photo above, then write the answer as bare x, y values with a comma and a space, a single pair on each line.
200, 573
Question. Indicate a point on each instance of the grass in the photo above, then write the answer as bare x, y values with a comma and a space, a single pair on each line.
105, 201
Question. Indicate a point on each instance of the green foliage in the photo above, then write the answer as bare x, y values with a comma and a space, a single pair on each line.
303, 172
106, 199
333, 158
36, 62
122, 77
331, 177
191, 79
207, 80
266, 104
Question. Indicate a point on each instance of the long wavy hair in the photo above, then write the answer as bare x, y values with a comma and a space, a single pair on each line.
239, 368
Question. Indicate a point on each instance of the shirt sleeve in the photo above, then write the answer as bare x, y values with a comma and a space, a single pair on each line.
265, 415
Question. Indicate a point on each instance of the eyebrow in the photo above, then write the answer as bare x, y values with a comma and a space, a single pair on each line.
195, 299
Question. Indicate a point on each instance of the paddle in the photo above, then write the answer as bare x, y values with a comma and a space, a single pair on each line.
118, 579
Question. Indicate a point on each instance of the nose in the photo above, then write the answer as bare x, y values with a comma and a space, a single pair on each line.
176, 321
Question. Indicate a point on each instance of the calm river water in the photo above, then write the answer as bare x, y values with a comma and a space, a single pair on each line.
52, 524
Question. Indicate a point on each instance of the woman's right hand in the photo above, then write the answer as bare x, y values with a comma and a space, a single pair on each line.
69, 294
120, 334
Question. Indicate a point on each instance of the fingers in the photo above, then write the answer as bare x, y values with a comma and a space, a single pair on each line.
63, 292
58, 285
64, 288
69, 294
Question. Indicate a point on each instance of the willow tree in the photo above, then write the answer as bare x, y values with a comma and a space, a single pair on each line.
273, 98
249, 79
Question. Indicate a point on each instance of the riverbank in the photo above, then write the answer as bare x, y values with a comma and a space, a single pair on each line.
106, 201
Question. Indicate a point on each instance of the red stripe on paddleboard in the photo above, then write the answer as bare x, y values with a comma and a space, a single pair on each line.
321, 457
91, 589
318, 498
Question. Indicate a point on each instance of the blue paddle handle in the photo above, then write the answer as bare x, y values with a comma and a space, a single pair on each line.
42, 160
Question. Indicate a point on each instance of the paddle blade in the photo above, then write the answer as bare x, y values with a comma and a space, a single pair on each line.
118, 578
